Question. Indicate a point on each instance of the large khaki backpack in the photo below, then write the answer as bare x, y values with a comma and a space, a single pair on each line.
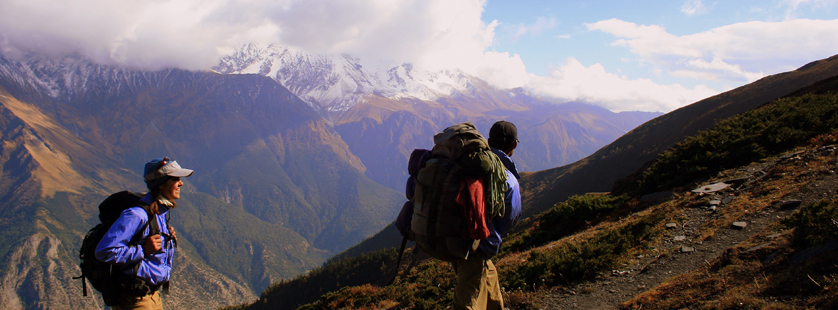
439, 225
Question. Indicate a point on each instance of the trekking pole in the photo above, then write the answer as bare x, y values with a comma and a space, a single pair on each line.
83, 284
398, 262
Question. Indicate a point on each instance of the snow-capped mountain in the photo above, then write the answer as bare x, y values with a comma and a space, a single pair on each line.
75, 77
333, 84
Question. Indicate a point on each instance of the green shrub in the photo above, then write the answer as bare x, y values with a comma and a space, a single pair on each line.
428, 286
567, 218
567, 263
766, 131
815, 224
369, 268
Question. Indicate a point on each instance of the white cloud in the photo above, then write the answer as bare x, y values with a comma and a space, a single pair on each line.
575, 82
693, 7
794, 5
702, 69
536, 28
501, 70
738, 53
431, 34
194, 34
144, 34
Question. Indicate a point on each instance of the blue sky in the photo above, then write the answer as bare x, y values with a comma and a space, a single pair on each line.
621, 55
546, 33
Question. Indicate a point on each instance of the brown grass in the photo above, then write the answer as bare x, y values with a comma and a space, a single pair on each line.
747, 280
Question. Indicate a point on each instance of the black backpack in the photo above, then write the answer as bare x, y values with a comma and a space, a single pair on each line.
106, 278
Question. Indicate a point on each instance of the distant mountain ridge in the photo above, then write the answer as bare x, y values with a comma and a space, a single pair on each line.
334, 84
383, 115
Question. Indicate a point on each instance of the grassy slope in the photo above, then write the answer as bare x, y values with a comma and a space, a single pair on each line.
795, 270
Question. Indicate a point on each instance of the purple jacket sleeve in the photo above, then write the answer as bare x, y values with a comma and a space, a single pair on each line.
116, 247
500, 225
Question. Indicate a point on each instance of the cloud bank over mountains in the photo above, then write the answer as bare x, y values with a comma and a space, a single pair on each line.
738, 52
432, 35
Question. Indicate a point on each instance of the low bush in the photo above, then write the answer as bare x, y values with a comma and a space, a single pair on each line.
567, 218
767, 131
569, 262
815, 224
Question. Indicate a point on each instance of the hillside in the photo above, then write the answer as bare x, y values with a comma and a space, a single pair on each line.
613, 248
599, 171
51, 184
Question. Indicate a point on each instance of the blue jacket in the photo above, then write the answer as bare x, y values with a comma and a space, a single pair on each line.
500, 225
122, 245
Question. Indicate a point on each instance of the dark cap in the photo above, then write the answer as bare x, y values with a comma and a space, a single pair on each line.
503, 132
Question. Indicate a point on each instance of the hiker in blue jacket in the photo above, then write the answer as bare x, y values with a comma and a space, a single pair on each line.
129, 241
477, 278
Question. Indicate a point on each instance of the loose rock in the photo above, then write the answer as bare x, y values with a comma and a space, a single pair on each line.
740, 225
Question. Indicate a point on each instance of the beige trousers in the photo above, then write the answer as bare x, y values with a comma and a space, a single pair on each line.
477, 284
147, 302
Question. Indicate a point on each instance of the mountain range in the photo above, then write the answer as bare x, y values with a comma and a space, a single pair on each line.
265, 162
384, 114
281, 184
614, 166
595, 228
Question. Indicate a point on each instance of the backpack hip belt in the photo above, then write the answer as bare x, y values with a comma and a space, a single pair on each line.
138, 287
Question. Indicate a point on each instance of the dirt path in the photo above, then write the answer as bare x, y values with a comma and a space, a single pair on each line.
683, 256
609, 292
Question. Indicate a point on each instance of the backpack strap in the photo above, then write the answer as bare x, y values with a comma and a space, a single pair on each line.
154, 228
152, 221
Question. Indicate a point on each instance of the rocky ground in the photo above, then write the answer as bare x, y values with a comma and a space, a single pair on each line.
705, 229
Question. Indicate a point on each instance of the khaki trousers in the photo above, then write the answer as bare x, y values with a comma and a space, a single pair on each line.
477, 284
147, 302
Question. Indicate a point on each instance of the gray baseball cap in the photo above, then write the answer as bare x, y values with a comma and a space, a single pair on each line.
158, 171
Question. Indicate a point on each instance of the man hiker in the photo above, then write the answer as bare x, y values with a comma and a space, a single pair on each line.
129, 242
477, 278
